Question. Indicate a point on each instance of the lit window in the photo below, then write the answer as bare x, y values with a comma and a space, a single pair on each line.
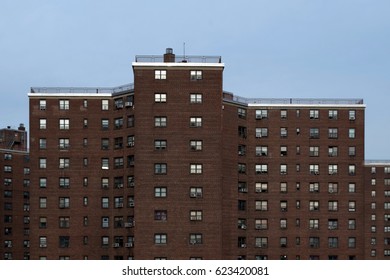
160, 97
160, 74
195, 98
42, 124
64, 124
195, 122
160, 121
196, 215
104, 104
64, 104
196, 168
196, 74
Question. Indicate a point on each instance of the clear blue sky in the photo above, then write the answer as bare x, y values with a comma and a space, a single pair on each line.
271, 48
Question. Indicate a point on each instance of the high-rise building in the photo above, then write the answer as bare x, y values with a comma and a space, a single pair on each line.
174, 167
15, 194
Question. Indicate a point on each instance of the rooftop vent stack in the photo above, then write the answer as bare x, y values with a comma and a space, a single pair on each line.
169, 56
21, 127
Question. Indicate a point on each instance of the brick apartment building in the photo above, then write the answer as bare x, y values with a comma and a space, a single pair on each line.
174, 167
15, 196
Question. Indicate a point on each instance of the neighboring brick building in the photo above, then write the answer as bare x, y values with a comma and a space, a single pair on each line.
174, 167
15, 194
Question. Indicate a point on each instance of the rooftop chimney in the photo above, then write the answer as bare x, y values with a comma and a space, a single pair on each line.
169, 56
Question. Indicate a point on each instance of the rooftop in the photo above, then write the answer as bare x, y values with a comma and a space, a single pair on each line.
293, 101
83, 90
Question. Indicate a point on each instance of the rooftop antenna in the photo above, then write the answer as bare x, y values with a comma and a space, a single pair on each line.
184, 52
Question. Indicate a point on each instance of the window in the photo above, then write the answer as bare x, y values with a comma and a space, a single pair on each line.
105, 202
105, 104
314, 242
352, 169
85, 103
196, 98
160, 74
332, 169
241, 168
42, 222
105, 124
314, 187
160, 192
105, 143
42, 163
351, 133
64, 202
333, 224
118, 122
261, 224
332, 133
130, 121
64, 182
42, 202
352, 151
332, 188
261, 242
64, 222
64, 104
314, 151
283, 169
160, 238
118, 142
160, 168
105, 222
195, 122
118, 162
160, 144
196, 145
242, 187
43, 241
314, 224
105, 163
241, 205
42, 143
160, 215
261, 151
333, 114
63, 143
314, 133
195, 238
261, 168
160, 121
314, 114
283, 243
283, 206
333, 151
196, 215
118, 202
261, 132
242, 132
314, 205
261, 187
333, 242
42, 182
196, 168
196, 74
283, 132
261, 114
196, 192
351, 187
160, 97
64, 124
352, 224
241, 113
352, 115
130, 141
42, 104
314, 169
283, 223
333, 205
7, 168
283, 187
283, 114
261, 205
352, 206
351, 242
42, 123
